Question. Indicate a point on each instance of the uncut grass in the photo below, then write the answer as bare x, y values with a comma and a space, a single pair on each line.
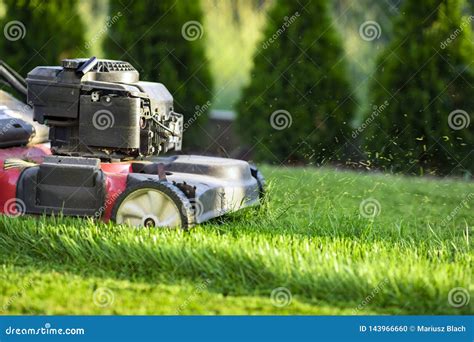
314, 243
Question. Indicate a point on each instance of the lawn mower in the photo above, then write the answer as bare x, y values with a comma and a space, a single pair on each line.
87, 139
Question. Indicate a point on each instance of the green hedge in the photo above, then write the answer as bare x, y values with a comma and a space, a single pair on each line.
298, 104
425, 78
37, 32
164, 41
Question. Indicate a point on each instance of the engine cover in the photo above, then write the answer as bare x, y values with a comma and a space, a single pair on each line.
100, 108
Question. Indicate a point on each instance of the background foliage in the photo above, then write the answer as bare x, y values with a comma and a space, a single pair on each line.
217, 68
164, 55
424, 79
53, 30
302, 76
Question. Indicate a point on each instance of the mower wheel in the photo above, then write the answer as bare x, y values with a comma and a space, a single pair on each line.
260, 180
153, 204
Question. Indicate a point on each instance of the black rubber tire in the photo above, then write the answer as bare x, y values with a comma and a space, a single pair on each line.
177, 196
260, 180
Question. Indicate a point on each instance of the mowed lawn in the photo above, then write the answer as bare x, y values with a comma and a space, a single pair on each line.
310, 243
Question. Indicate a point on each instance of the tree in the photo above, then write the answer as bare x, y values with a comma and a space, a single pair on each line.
40, 32
164, 41
425, 76
298, 104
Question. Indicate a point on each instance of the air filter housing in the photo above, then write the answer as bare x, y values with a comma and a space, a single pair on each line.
100, 108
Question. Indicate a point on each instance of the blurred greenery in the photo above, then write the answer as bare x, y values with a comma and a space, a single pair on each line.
423, 77
40, 33
361, 55
232, 29
94, 14
299, 89
166, 45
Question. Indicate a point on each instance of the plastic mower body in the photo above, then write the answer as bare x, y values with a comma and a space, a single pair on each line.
90, 142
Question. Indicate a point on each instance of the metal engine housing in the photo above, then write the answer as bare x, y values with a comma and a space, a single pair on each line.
100, 108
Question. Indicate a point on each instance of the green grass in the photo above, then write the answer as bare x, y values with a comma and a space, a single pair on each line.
309, 238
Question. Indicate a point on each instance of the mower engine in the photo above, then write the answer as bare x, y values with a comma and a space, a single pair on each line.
99, 108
